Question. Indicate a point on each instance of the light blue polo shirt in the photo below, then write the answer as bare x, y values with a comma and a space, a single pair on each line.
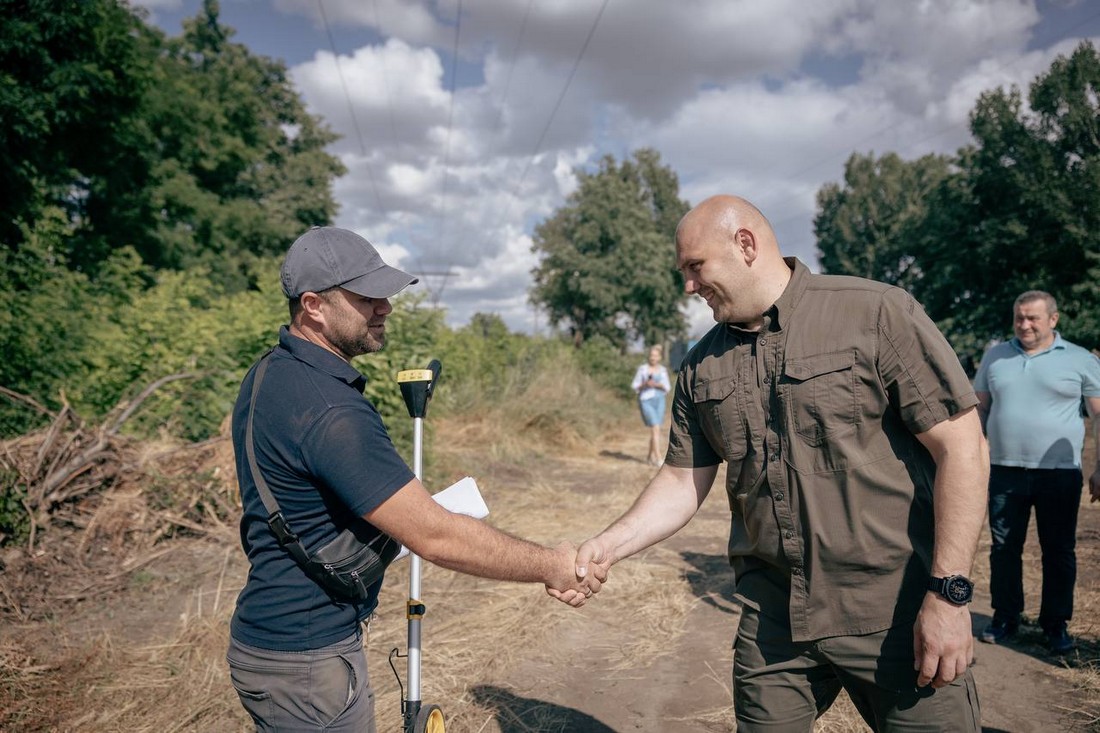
1035, 416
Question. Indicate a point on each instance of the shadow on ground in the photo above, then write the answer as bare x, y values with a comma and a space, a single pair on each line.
517, 714
620, 456
1031, 640
712, 580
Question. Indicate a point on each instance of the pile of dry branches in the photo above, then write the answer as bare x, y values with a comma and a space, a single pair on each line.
67, 460
97, 501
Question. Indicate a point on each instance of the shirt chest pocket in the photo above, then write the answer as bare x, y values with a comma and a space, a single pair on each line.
720, 415
822, 395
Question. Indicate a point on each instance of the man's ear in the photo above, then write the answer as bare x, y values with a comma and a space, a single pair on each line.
745, 241
312, 307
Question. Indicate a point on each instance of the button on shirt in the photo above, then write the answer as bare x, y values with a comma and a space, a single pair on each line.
816, 413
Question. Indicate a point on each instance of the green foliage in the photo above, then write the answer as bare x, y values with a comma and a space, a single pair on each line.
607, 264
241, 168
51, 316
1034, 180
412, 340
153, 183
190, 150
865, 228
1014, 211
609, 366
72, 75
485, 361
15, 523
183, 325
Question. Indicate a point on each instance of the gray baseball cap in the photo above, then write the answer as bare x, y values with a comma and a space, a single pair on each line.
327, 257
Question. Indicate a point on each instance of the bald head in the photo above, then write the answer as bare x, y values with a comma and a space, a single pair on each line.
727, 213
728, 253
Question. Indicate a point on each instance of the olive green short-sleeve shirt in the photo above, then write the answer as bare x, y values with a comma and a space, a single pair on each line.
816, 416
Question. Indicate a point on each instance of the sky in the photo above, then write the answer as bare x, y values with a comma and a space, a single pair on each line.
462, 122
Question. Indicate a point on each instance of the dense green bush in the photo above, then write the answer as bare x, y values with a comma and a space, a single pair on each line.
609, 366
104, 341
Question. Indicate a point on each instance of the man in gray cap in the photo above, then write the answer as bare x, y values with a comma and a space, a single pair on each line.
306, 438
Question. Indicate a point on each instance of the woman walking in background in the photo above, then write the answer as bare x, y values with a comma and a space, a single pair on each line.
651, 382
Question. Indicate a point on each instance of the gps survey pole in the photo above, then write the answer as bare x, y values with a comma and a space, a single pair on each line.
416, 389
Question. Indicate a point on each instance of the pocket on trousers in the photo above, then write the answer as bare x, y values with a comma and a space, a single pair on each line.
255, 701
335, 688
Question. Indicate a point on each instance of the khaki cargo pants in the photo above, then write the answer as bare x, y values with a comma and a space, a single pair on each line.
780, 685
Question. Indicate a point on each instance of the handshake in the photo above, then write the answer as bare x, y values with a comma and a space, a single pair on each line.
581, 572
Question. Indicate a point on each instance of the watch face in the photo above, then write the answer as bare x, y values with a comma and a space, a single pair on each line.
958, 589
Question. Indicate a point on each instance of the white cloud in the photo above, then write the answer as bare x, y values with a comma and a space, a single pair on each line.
763, 99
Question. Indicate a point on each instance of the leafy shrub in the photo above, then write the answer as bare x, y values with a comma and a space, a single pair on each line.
606, 364
15, 525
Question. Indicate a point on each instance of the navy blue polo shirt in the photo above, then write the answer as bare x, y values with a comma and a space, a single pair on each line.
327, 459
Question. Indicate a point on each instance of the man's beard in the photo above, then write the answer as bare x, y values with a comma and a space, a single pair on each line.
357, 344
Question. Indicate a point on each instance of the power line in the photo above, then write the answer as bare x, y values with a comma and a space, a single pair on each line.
515, 53
553, 113
351, 107
912, 145
354, 118
561, 96
385, 78
450, 128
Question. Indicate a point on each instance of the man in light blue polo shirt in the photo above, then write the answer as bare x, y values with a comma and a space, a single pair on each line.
1030, 391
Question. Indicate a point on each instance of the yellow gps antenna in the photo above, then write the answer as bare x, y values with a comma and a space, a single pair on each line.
416, 389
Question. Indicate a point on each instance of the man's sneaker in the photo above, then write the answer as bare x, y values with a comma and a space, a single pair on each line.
998, 631
1059, 642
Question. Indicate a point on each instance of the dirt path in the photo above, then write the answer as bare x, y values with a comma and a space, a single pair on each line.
661, 665
651, 653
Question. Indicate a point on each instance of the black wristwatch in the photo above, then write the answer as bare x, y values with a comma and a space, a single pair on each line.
955, 588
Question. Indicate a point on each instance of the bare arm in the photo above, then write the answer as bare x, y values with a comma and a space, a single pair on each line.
1093, 406
942, 639
470, 546
666, 504
985, 402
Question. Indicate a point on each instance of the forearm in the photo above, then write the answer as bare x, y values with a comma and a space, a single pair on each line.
943, 646
668, 503
470, 546
960, 513
465, 544
1096, 441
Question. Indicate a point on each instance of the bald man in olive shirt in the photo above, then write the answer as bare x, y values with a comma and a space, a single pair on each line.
856, 479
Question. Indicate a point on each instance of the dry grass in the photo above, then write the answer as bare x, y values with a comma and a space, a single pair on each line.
147, 654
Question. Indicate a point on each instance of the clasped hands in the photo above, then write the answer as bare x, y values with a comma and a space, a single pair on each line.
582, 572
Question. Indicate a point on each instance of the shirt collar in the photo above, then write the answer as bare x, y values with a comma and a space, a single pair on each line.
321, 359
781, 309
776, 316
1058, 343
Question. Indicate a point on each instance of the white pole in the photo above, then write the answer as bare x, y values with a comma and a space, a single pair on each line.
414, 575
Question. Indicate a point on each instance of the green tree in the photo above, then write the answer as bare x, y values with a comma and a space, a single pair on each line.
607, 267
1025, 215
241, 167
129, 157
191, 150
865, 228
71, 77
1015, 210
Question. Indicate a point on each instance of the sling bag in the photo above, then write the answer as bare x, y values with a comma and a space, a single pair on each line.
347, 566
